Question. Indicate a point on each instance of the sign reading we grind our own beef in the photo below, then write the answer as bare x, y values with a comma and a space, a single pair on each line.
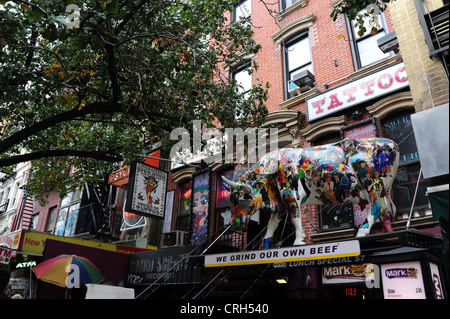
267, 256
147, 190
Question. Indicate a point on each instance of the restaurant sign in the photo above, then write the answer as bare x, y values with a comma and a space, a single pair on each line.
287, 254
356, 92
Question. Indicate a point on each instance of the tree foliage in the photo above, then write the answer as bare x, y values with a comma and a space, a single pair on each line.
83, 90
364, 13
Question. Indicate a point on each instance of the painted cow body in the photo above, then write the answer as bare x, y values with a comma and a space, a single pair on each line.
357, 171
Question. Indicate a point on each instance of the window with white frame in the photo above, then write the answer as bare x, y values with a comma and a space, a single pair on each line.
364, 44
242, 10
297, 59
243, 79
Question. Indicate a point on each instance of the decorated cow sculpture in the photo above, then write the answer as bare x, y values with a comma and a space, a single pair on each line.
356, 171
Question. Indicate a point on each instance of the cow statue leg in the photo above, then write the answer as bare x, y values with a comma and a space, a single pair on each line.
299, 233
364, 229
389, 214
271, 228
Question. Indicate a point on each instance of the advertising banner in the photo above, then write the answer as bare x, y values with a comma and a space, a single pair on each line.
296, 253
146, 191
200, 207
347, 274
34, 243
147, 267
403, 280
12, 241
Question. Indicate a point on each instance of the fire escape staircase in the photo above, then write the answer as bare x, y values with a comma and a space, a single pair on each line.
435, 26
24, 218
213, 282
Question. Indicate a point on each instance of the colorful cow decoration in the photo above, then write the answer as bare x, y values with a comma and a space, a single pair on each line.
357, 171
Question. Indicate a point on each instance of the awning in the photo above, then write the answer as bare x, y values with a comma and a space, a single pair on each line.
439, 198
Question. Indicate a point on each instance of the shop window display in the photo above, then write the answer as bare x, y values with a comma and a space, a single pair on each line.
184, 207
399, 128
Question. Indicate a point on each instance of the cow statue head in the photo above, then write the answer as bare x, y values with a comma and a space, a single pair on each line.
241, 196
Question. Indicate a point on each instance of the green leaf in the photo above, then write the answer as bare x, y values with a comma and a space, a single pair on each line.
112, 7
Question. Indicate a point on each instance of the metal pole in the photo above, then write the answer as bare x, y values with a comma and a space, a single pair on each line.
414, 199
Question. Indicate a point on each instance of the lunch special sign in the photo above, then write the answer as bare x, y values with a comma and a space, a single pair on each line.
353, 93
296, 253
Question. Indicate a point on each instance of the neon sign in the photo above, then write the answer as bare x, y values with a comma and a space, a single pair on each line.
26, 264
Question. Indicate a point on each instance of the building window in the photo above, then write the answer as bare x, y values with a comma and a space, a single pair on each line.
297, 59
242, 10
68, 214
243, 79
34, 221
399, 129
184, 207
50, 219
364, 44
223, 211
287, 3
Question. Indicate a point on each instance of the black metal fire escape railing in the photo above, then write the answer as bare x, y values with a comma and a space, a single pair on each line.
24, 216
172, 275
435, 26
223, 274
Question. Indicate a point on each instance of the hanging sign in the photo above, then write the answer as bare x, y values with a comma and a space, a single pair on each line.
356, 92
5, 255
146, 190
267, 256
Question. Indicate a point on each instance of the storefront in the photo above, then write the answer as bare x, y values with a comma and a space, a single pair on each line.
377, 104
400, 265
29, 248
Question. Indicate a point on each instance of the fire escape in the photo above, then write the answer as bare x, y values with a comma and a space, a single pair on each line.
188, 279
435, 26
24, 216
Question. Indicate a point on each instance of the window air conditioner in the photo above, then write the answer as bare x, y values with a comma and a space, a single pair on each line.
296, 90
174, 238
301, 82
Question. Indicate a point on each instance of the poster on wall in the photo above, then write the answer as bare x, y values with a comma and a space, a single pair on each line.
146, 190
200, 207
403, 280
169, 210
361, 130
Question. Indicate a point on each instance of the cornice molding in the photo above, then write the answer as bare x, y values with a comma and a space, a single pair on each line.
294, 27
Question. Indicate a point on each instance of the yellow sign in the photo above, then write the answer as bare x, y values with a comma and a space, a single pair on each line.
34, 243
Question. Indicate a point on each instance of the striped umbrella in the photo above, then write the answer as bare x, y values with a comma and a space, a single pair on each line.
56, 270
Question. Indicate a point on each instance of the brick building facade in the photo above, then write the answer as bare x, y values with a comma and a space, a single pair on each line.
336, 56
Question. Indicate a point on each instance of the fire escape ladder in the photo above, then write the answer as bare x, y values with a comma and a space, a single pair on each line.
25, 214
